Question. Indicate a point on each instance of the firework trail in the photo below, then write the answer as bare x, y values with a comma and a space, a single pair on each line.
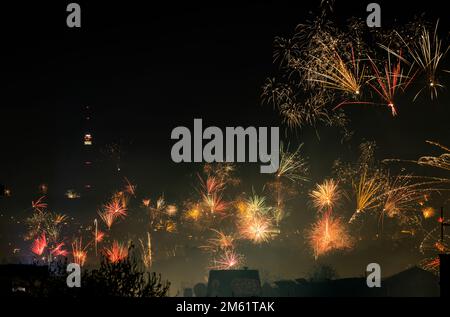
335, 73
39, 205
441, 162
403, 195
431, 264
292, 170
146, 251
130, 188
431, 245
98, 236
432, 242
387, 83
366, 193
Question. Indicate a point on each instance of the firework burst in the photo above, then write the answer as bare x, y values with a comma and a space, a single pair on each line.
401, 196
427, 54
39, 205
387, 84
257, 229
194, 213
117, 252
130, 188
326, 195
79, 252
107, 218
292, 165
39, 245
116, 207
214, 203
336, 73
228, 260
146, 251
220, 242
211, 185
328, 234
58, 250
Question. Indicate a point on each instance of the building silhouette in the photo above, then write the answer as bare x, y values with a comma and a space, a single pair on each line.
413, 282
444, 274
234, 283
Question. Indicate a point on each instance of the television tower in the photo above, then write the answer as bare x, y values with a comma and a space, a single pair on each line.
88, 149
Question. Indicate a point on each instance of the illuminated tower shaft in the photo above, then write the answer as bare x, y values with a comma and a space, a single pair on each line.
88, 149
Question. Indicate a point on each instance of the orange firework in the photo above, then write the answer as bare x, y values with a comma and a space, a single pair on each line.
117, 207
99, 236
193, 213
117, 252
170, 226
431, 264
58, 250
171, 210
130, 188
428, 212
39, 245
59, 219
214, 203
107, 218
78, 252
211, 185
328, 234
146, 202
326, 196
220, 242
257, 229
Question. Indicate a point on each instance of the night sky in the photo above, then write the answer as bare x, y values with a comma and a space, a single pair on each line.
146, 70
